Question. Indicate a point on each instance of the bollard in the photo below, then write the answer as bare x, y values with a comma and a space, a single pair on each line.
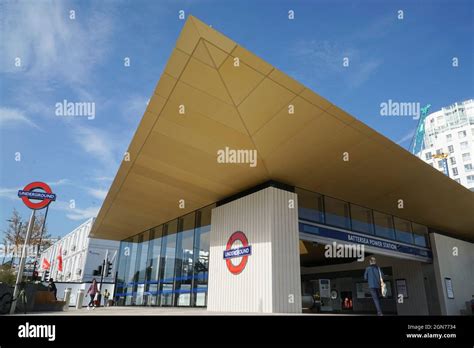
79, 298
67, 298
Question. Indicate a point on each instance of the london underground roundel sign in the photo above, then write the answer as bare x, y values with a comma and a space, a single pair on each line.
237, 252
42, 198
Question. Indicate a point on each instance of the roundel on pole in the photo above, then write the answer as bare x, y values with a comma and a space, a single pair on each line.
237, 250
34, 199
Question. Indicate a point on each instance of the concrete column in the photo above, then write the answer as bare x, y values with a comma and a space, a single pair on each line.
270, 280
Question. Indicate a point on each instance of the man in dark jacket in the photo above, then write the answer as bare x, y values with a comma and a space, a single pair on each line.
52, 288
373, 274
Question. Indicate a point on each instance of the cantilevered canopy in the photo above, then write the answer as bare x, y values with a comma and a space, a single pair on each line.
215, 94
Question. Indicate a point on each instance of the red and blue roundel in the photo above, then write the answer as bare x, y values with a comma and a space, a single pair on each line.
237, 250
29, 193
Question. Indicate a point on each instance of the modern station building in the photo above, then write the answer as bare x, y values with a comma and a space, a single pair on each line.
240, 178
449, 131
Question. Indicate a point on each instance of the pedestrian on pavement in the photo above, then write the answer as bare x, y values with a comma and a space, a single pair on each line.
93, 290
374, 276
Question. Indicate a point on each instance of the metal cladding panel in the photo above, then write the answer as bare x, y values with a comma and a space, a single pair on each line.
254, 289
285, 251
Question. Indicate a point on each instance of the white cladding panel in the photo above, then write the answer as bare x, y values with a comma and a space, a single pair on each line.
272, 271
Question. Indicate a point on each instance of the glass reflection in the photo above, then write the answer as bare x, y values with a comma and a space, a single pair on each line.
167, 267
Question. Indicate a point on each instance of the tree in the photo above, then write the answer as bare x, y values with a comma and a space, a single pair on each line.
15, 234
7, 276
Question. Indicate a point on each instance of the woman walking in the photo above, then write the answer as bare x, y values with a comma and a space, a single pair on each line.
93, 290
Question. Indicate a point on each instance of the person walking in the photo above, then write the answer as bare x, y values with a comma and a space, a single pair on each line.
93, 290
52, 288
374, 276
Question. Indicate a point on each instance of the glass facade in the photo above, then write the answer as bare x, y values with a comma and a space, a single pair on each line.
166, 265
330, 211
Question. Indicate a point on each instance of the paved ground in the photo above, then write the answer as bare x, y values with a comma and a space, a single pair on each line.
149, 311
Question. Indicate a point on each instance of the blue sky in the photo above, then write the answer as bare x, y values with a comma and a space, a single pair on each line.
405, 60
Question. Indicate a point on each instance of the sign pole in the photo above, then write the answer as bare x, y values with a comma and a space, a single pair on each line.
19, 277
39, 244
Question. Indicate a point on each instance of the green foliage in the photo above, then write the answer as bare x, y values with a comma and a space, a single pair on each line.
7, 276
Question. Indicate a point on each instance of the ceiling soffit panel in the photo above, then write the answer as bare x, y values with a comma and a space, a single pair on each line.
218, 56
284, 126
251, 60
239, 80
207, 105
184, 176
222, 134
263, 103
206, 79
202, 54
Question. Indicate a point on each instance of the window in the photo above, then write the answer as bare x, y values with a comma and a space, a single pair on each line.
168, 256
455, 171
470, 179
458, 180
428, 156
438, 152
420, 234
201, 255
142, 253
361, 219
464, 145
466, 157
184, 260
468, 167
441, 164
131, 274
383, 225
462, 134
337, 212
403, 230
153, 266
310, 205
453, 160
451, 148
449, 137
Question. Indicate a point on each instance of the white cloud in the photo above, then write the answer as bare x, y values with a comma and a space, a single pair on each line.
76, 213
97, 193
10, 193
51, 45
12, 116
134, 107
83, 214
103, 178
97, 143
406, 137
59, 182
323, 60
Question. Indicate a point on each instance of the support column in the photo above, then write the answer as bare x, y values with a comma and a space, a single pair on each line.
254, 263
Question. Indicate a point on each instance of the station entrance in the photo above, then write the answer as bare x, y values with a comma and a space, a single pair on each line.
336, 285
